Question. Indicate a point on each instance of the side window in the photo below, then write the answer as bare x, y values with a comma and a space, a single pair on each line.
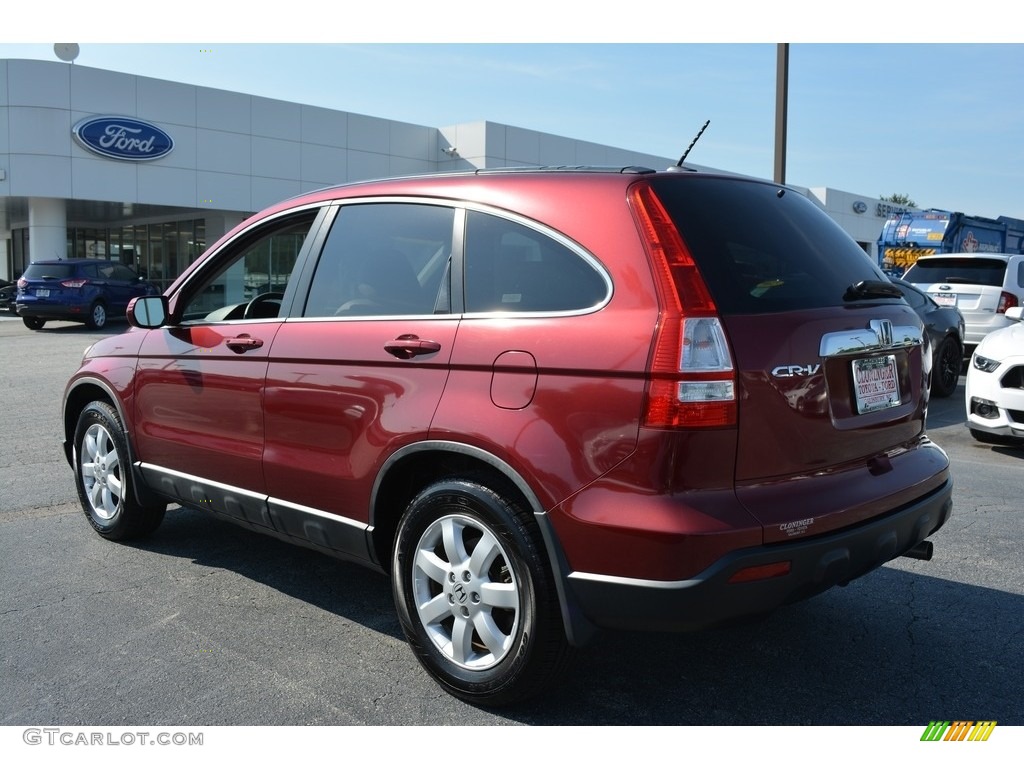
250, 282
513, 268
913, 298
384, 259
124, 274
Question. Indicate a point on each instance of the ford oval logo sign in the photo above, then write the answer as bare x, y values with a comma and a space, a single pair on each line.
123, 138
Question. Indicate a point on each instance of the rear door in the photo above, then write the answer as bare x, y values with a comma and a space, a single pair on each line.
831, 379
360, 369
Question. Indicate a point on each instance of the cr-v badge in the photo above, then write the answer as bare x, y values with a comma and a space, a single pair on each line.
788, 371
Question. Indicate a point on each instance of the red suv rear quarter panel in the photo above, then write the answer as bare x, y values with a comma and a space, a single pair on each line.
584, 414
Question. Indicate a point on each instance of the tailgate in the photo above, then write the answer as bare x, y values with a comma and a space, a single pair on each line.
829, 400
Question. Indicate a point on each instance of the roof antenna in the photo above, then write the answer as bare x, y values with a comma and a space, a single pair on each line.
701, 131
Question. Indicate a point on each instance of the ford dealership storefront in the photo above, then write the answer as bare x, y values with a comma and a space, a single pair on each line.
102, 164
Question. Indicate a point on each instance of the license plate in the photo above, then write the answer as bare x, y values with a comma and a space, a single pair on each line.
876, 384
42, 292
945, 299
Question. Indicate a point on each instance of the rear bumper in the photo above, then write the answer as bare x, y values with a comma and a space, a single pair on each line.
50, 311
709, 599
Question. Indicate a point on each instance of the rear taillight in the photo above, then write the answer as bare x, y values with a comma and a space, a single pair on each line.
692, 379
1006, 300
22, 283
77, 282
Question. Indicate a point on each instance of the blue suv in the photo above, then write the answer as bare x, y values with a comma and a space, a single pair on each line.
83, 290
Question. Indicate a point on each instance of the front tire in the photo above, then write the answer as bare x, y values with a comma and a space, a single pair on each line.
475, 596
103, 477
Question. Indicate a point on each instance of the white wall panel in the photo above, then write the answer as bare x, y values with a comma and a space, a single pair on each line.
5, 134
322, 166
38, 84
369, 134
223, 152
366, 165
324, 126
40, 131
276, 119
161, 185
556, 150
40, 176
411, 141
223, 110
164, 102
275, 158
227, 191
269, 191
97, 91
97, 178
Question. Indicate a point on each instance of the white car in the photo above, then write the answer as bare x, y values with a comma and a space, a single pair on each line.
983, 286
995, 385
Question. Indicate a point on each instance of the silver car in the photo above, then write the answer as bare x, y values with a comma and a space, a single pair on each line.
981, 285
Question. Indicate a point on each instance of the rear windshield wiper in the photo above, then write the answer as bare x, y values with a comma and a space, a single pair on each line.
872, 289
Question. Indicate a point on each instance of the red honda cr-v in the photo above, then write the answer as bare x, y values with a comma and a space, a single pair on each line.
543, 401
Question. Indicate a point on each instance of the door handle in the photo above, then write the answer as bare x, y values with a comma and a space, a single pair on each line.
408, 346
243, 343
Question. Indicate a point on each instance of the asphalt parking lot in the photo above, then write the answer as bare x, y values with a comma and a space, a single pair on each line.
208, 624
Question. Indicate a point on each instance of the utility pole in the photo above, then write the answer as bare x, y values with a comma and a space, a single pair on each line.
781, 102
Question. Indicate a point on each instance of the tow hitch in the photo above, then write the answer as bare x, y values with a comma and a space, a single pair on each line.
922, 551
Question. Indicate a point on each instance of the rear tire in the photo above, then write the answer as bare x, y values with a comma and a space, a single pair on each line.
103, 477
946, 372
97, 316
475, 596
34, 323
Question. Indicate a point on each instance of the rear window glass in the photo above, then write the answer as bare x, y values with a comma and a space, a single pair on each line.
49, 271
761, 249
958, 270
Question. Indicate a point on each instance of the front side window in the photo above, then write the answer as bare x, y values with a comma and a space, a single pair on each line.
513, 268
384, 259
250, 283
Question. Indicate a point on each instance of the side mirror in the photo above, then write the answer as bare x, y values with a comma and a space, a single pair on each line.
1015, 313
147, 311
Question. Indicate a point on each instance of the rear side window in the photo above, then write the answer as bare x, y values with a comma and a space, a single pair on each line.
762, 248
514, 268
954, 269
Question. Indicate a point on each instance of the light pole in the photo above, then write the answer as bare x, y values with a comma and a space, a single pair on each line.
781, 99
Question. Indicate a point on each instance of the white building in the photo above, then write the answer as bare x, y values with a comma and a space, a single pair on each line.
61, 194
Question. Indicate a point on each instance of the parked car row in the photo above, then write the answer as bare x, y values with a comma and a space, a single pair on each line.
988, 290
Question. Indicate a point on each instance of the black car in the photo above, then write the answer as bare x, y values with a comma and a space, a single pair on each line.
83, 290
7, 294
945, 327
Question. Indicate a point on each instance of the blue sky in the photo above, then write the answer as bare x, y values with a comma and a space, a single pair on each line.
943, 123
